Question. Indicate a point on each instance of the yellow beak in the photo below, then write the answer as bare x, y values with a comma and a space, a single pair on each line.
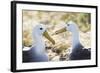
48, 37
60, 31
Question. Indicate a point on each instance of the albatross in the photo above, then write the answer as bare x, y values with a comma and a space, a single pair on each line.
79, 52
37, 52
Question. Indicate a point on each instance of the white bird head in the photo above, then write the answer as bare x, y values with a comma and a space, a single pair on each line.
70, 26
40, 30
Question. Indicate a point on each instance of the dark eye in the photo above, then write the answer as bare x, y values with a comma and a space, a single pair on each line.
68, 24
41, 28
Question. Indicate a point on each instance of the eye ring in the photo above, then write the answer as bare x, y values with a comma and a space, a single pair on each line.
41, 28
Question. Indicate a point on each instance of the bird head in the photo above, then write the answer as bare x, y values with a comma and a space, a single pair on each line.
41, 30
70, 26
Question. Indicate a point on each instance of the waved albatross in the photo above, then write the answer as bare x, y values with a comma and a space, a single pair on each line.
37, 52
78, 51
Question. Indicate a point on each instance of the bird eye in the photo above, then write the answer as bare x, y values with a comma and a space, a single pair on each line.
68, 24
41, 28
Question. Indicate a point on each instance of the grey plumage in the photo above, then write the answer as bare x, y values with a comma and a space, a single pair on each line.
32, 56
80, 54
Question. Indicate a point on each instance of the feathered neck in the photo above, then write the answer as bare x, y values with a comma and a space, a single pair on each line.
38, 38
75, 41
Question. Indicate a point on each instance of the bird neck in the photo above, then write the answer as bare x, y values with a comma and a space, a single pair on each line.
75, 39
39, 42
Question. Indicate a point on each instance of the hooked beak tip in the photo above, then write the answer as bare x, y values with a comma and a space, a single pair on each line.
60, 31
